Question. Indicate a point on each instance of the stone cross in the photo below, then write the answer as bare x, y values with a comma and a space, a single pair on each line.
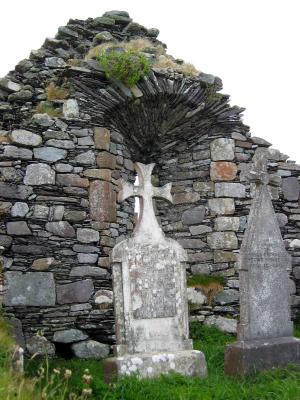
147, 227
258, 172
150, 301
265, 331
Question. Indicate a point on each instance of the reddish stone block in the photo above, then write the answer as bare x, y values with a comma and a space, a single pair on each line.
102, 138
106, 160
71, 180
102, 198
223, 171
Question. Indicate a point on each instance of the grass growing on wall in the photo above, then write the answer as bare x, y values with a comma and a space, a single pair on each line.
209, 285
279, 384
46, 107
127, 67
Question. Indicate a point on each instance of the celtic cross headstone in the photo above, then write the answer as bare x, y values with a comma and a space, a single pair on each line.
150, 301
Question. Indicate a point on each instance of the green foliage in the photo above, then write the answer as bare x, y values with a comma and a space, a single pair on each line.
204, 280
127, 66
297, 329
12, 386
46, 107
278, 384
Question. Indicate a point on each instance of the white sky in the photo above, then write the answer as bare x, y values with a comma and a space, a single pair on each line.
253, 45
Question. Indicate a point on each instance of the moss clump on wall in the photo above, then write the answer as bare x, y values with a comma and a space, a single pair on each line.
126, 66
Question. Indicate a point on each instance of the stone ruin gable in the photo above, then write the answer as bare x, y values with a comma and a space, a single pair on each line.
58, 184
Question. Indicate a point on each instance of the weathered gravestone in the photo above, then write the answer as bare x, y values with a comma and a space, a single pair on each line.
265, 333
150, 295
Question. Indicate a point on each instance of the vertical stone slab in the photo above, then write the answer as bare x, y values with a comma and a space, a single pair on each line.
102, 198
150, 295
265, 332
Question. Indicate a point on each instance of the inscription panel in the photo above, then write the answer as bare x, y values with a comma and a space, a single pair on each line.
153, 290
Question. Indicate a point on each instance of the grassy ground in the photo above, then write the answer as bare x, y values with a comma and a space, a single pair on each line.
280, 384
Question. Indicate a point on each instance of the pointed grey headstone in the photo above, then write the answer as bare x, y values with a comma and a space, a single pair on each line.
265, 331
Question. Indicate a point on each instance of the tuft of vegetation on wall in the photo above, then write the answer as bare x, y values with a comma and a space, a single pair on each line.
127, 66
56, 92
154, 53
46, 107
209, 285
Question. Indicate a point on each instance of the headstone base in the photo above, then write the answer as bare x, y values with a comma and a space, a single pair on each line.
246, 357
149, 365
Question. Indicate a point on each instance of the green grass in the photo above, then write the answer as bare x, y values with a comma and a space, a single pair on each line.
12, 386
279, 384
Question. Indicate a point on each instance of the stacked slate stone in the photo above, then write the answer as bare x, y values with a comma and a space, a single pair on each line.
59, 172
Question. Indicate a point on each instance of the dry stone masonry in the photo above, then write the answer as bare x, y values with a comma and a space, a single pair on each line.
61, 158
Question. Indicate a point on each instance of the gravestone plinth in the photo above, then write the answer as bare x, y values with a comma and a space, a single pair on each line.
150, 295
265, 332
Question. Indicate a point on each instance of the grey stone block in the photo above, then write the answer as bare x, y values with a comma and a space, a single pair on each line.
228, 325
227, 223
221, 206
20, 192
70, 109
192, 243
61, 228
40, 346
222, 149
69, 336
39, 174
18, 153
18, 228
25, 138
227, 297
145, 365
87, 158
290, 188
5, 240
40, 211
193, 216
43, 120
87, 270
76, 292
30, 289
222, 240
242, 358
86, 258
87, 235
51, 154
90, 349
19, 209
199, 229
225, 189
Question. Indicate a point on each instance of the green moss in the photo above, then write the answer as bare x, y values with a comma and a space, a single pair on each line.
204, 280
46, 107
127, 66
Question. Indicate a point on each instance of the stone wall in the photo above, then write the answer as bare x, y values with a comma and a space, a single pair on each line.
59, 179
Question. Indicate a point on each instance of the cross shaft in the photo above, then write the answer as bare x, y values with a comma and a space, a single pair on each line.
147, 227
